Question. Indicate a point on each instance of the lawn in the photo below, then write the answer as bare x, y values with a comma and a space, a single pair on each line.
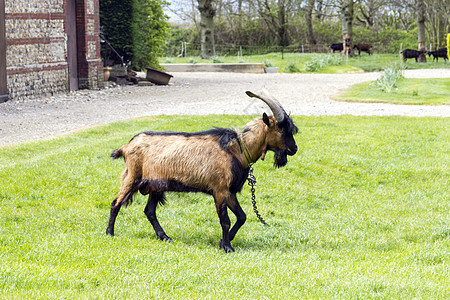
358, 63
434, 91
361, 212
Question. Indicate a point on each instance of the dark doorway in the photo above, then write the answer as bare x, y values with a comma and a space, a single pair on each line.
71, 23
3, 83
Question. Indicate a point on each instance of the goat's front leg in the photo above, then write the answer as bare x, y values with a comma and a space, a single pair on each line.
221, 207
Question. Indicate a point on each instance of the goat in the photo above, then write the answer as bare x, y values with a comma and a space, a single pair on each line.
410, 53
363, 47
336, 47
215, 162
439, 53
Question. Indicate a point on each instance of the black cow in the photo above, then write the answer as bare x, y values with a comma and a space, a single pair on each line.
410, 53
439, 53
363, 47
336, 47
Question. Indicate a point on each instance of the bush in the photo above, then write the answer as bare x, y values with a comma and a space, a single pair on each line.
217, 60
320, 62
292, 68
389, 80
448, 45
136, 29
149, 30
115, 20
268, 63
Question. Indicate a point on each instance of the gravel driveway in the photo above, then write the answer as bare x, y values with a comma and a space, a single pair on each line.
198, 94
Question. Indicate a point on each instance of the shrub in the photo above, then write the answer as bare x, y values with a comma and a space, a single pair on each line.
292, 68
136, 29
149, 29
217, 60
448, 45
192, 60
389, 80
115, 21
268, 63
320, 62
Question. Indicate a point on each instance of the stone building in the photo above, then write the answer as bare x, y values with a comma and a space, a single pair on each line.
48, 47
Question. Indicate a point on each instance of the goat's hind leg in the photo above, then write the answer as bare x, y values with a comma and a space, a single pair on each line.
241, 217
127, 190
150, 212
112, 217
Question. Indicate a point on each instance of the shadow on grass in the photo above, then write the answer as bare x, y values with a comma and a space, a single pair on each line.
266, 238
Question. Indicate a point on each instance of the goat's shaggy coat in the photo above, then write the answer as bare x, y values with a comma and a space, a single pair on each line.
211, 162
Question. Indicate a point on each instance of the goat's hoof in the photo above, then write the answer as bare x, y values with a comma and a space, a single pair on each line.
226, 248
164, 237
109, 231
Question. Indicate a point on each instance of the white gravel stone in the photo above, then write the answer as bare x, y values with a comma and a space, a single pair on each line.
199, 94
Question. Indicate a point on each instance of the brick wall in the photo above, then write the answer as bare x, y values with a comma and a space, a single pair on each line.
4, 96
90, 68
36, 47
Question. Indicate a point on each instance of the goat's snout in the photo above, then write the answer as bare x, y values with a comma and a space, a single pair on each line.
291, 150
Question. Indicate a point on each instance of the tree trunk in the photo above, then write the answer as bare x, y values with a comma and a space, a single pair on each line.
207, 13
420, 8
347, 27
309, 27
282, 28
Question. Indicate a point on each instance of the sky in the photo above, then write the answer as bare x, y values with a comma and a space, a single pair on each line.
177, 6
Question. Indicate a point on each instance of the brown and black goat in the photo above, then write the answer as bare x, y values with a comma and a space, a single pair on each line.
214, 162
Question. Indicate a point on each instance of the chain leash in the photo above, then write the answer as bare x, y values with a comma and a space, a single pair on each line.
252, 183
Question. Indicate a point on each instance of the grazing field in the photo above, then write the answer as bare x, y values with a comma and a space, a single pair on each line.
434, 91
361, 212
299, 62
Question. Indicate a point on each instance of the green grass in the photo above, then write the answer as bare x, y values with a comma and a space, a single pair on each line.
364, 62
410, 91
361, 212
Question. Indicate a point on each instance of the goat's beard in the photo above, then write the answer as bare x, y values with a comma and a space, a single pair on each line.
280, 159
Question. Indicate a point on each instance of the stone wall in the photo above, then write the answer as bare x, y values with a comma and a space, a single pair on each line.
36, 47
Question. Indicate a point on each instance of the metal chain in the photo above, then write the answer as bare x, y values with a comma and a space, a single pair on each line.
252, 183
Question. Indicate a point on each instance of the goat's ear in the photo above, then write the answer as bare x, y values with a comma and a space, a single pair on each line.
266, 119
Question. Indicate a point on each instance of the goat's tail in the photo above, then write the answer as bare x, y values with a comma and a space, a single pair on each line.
117, 153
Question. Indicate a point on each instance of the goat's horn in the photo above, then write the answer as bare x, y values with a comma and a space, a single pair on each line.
273, 103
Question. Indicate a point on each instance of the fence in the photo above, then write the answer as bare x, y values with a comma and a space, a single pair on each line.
243, 50
187, 49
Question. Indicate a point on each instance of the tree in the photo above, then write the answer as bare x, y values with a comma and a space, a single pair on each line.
276, 18
308, 19
207, 13
347, 25
420, 11
437, 21
367, 11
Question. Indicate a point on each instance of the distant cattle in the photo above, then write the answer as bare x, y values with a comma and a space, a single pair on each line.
336, 47
439, 53
363, 47
410, 53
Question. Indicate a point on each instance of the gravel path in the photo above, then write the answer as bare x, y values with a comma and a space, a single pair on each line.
198, 94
